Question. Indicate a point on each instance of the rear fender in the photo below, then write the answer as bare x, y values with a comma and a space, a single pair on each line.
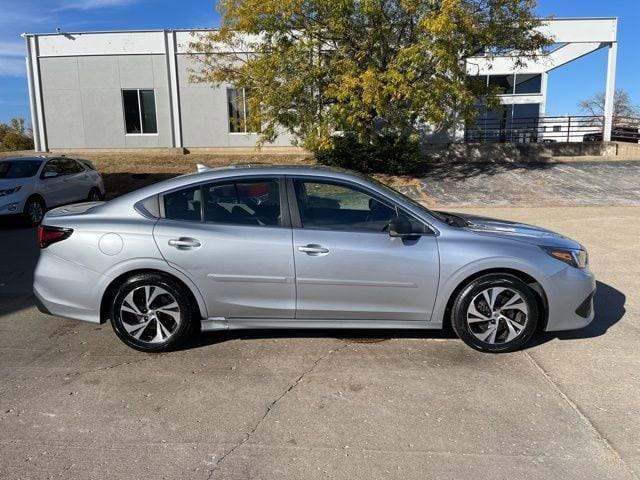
135, 264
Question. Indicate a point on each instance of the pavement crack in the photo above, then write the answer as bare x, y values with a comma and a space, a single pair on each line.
107, 367
269, 408
583, 417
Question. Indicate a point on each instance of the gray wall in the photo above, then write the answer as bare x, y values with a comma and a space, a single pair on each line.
82, 99
204, 113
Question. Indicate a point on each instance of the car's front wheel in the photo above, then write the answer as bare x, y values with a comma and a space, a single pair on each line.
152, 313
495, 313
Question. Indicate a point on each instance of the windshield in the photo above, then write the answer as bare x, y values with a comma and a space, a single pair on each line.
19, 168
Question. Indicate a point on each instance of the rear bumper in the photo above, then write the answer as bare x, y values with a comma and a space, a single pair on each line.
570, 296
66, 289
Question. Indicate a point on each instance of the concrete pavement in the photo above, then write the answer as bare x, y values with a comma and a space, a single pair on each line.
76, 403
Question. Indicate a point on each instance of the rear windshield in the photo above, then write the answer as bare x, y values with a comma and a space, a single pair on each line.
19, 168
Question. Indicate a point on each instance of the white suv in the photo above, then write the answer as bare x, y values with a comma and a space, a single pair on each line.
31, 185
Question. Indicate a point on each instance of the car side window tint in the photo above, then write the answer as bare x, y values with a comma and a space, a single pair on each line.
334, 206
244, 202
73, 166
53, 166
183, 205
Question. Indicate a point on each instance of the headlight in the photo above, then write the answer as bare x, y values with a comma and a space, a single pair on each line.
575, 258
9, 191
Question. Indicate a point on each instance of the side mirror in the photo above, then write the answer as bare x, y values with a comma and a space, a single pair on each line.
49, 174
400, 227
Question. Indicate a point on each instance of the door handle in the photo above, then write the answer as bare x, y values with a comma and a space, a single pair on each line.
314, 250
184, 243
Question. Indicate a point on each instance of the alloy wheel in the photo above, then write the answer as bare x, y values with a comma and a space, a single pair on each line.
35, 212
497, 315
150, 314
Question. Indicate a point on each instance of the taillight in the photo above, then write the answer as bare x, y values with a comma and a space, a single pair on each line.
48, 235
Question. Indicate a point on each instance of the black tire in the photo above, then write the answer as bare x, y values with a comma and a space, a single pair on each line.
506, 321
34, 210
123, 321
95, 195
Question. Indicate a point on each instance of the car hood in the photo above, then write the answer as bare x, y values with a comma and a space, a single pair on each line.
517, 231
14, 182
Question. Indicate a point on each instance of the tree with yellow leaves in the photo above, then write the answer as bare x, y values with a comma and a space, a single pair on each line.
373, 69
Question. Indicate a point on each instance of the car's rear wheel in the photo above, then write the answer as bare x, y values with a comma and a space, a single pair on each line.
152, 313
34, 210
94, 195
495, 313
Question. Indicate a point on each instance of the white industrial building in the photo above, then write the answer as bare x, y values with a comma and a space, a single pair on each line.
132, 89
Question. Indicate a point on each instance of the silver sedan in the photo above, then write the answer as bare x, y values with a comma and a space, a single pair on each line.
266, 247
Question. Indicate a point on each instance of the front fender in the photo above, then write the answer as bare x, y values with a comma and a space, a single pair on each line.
460, 275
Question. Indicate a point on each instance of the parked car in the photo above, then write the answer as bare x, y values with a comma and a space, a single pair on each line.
303, 247
31, 185
618, 134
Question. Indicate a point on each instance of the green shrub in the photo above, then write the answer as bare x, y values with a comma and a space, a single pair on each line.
17, 141
389, 155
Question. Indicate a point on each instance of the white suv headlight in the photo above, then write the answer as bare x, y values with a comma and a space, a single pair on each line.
9, 191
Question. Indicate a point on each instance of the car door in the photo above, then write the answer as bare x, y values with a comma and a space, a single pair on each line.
51, 184
348, 266
233, 239
77, 181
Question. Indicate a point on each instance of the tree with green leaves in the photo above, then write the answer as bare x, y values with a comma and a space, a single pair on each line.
15, 135
376, 69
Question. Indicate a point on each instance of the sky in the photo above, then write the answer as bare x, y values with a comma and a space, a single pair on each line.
567, 85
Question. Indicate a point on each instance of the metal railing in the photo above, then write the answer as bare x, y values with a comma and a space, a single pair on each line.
550, 130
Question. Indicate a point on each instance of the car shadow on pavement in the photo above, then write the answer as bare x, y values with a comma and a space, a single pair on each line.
348, 335
609, 308
19, 254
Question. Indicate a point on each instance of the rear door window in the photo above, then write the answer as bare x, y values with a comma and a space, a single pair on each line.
184, 205
53, 166
244, 202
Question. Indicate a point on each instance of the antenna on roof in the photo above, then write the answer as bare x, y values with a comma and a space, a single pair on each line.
202, 168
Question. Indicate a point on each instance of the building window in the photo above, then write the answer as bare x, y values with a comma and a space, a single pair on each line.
528, 84
557, 128
238, 110
139, 111
504, 83
519, 84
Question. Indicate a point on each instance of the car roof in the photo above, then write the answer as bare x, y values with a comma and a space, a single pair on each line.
277, 166
32, 158
252, 169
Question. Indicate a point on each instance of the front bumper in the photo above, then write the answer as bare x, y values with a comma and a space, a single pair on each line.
570, 295
9, 206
